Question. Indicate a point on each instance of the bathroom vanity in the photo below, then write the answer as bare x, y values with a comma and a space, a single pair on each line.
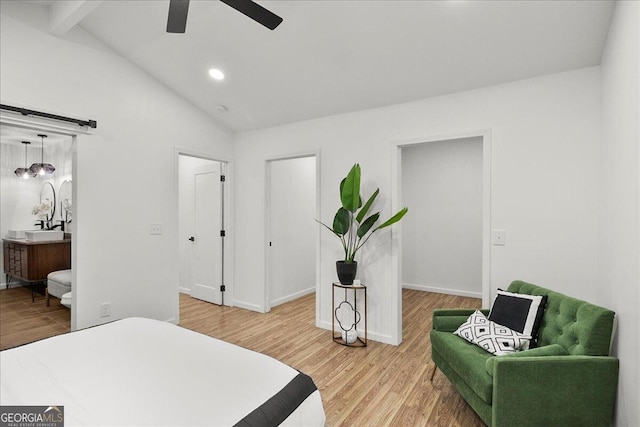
32, 261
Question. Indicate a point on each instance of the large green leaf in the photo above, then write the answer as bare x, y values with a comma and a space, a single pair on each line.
350, 190
327, 227
363, 212
397, 217
367, 224
342, 186
341, 222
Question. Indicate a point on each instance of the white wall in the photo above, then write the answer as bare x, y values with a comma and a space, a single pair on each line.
619, 229
292, 210
125, 170
442, 242
545, 137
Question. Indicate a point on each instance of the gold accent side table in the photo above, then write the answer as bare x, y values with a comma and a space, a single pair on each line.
358, 316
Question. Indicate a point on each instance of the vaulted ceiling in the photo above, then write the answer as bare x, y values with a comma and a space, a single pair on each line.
332, 57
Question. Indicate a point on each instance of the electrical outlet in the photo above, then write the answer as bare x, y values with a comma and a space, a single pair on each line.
156, 228
105, 309
497, 237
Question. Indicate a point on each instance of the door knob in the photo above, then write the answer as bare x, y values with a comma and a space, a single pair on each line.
193, 239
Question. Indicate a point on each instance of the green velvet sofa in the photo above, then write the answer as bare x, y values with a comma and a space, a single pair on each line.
568, 380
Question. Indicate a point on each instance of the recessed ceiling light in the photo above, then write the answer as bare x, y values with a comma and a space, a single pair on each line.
216, 74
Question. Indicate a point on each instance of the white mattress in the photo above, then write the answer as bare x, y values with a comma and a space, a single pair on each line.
145, 372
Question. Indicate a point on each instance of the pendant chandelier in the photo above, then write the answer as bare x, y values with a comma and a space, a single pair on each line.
25, 172
42, 167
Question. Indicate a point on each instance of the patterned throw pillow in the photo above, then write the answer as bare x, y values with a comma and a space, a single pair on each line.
490, 336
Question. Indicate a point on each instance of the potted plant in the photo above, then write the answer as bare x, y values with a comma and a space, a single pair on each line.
352, 225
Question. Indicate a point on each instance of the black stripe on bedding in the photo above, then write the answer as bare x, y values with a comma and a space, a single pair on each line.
275, 410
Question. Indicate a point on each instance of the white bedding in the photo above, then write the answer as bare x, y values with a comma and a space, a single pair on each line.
145, 372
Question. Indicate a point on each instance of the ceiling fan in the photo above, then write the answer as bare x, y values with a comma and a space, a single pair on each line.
178, 10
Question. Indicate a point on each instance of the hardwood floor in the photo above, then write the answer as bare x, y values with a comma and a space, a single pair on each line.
22, 321
380, 385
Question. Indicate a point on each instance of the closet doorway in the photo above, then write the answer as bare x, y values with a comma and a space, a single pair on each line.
445, 245
442, 246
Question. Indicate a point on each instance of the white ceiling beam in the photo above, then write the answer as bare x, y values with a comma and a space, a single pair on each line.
64, 15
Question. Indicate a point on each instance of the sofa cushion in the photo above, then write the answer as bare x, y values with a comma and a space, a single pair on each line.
580, 327
520, 312
490, 336
547, 350
467, 360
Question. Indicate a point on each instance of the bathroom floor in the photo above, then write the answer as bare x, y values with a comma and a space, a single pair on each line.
22, 321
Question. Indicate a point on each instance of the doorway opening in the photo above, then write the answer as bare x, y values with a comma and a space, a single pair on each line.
20, 197
442, 247
291, 230
443, 162
201, 228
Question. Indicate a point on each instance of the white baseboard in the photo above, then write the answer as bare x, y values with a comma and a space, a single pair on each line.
293, 296
442, 290
371, 335
184, 290
248, 306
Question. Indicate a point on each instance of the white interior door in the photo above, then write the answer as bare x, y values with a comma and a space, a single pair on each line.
207, 240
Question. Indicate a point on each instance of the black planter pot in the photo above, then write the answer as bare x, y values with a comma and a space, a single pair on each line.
346, 271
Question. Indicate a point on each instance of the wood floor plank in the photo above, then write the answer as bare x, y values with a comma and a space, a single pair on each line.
22, 321
380, 385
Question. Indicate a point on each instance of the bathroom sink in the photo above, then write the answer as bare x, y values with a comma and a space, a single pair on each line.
16, 234
44, 235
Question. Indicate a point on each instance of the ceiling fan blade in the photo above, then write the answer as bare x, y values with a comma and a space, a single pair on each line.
177, 21
256, 12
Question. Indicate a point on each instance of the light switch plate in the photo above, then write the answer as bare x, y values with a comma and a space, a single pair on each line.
498, 237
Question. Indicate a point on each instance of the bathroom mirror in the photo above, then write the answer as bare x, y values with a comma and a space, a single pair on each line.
65, 197
48, 197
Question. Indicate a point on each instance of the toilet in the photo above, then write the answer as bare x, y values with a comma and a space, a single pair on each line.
66, 300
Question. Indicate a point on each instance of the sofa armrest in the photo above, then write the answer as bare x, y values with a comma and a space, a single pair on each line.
547, 350
554, 390
448, 320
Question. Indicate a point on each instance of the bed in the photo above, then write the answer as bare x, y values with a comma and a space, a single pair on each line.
144, 372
